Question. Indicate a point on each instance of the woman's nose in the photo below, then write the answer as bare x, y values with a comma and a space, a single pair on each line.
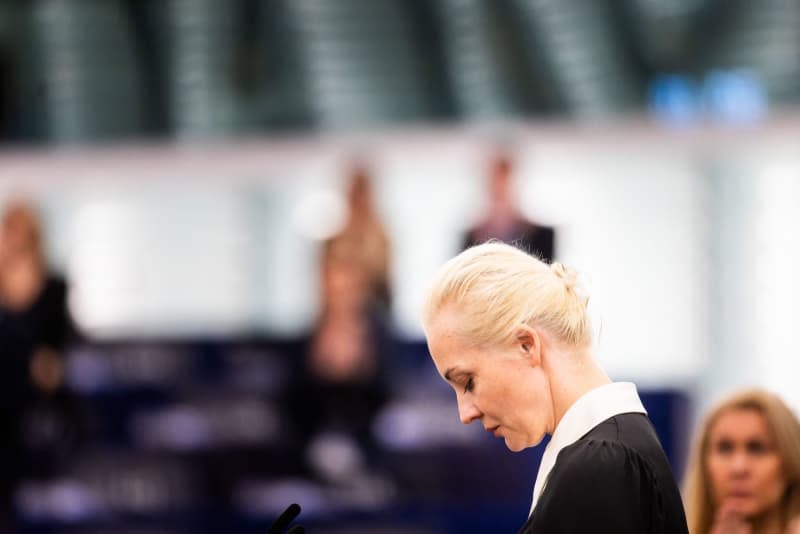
467, 411
740, 463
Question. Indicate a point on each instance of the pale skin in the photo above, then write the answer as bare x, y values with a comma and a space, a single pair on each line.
746, 475
518, 390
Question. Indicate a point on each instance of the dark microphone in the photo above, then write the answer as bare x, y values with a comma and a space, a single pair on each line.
288, 515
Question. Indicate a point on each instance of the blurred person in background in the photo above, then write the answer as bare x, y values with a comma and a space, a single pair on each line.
512, 336
341, 348
36, 411
342, 385
503, 220
364, 236
744, 473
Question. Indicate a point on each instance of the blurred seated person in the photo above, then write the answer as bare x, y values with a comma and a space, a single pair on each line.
340, 386
744, 473
503, 220
34, 329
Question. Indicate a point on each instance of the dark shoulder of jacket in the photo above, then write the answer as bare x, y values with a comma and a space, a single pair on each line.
626, 440
596, 483
637, 432
622, 458
620, 441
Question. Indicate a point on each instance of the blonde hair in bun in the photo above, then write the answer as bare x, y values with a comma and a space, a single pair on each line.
496, 288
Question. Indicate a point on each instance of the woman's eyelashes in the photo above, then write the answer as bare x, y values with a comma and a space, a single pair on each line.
470, 385
755, 447
724, 446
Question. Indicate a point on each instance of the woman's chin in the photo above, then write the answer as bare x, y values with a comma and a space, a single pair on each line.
515, 445
744, 507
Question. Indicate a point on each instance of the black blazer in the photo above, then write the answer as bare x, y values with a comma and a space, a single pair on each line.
615, 479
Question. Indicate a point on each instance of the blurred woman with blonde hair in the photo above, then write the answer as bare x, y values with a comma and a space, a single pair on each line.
744, 472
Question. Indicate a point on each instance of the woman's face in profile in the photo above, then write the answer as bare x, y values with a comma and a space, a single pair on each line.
496, 386
743, 464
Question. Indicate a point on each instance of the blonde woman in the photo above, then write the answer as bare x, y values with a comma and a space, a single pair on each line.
744, 474
512, 336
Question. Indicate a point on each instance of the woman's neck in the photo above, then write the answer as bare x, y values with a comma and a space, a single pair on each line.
572, 375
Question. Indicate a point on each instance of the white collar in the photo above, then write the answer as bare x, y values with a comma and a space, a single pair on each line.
591, 409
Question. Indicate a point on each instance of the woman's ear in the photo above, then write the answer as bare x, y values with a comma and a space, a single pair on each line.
530, 343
